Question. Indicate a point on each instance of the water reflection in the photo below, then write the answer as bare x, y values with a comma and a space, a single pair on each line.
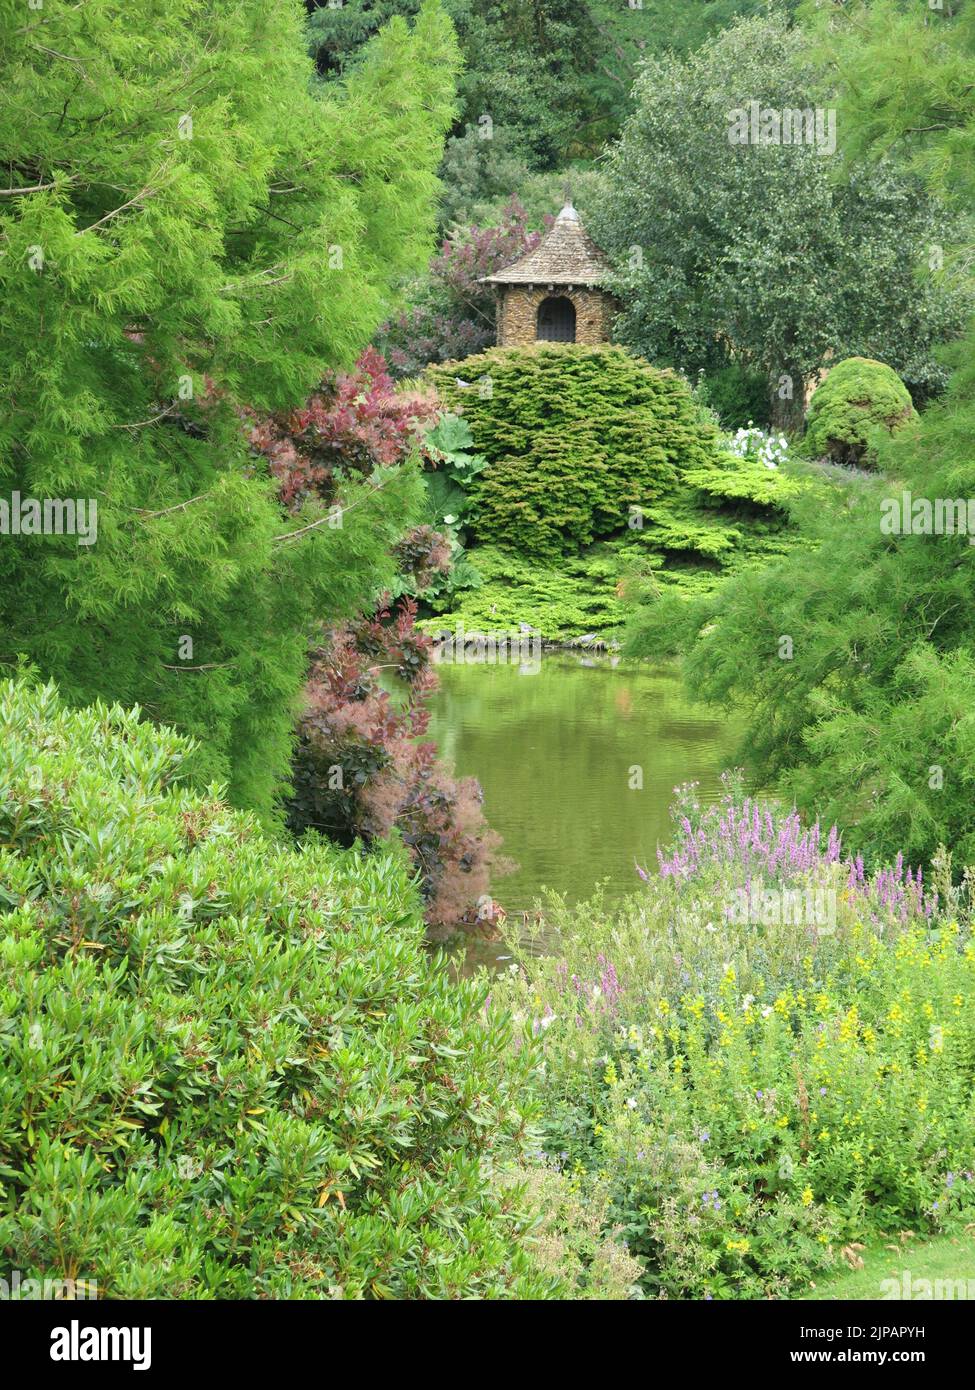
578, 760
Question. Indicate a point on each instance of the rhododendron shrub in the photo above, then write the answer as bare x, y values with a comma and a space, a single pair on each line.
223, 1062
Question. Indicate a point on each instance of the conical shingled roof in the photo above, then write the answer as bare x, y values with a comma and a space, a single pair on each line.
566, 255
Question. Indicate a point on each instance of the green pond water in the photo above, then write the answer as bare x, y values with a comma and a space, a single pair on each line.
555, 746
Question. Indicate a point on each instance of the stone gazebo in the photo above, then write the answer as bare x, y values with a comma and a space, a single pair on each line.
552, 294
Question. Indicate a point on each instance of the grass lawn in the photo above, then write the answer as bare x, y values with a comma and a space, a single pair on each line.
948, 1264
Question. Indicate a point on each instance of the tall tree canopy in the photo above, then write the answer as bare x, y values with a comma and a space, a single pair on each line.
531, 69
759, 250
188, 224
904, 73
854, 658
554, 76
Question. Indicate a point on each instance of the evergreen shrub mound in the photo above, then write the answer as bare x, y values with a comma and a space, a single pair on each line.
574, 437
229, 1068
858, 397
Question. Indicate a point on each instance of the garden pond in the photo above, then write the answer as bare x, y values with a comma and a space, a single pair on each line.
578, 757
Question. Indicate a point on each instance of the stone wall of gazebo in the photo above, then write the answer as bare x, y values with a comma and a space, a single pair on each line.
518, 313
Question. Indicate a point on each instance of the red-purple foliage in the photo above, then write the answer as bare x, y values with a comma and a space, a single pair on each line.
361, 767
364, 769
354, 423
422, 554
456, 315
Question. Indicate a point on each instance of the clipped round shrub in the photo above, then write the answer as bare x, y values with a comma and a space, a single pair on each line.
229, 1068
858, 398
575, 437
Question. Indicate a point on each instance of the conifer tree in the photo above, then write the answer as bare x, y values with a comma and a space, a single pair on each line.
189, 225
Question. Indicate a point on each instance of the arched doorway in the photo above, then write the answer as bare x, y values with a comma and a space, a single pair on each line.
556, 321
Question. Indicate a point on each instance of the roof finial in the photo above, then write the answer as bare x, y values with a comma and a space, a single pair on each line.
568, 213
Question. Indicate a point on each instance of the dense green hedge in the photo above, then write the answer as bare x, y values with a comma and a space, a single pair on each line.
228, 1068
575, 437
858, 397
739, 396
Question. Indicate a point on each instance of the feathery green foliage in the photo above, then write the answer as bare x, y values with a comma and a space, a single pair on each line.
906, 77
187, 227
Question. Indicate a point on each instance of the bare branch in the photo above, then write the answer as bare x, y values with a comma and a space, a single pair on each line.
148, 192
211, 666
324, 520
141, 424
19, 192
148, 516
